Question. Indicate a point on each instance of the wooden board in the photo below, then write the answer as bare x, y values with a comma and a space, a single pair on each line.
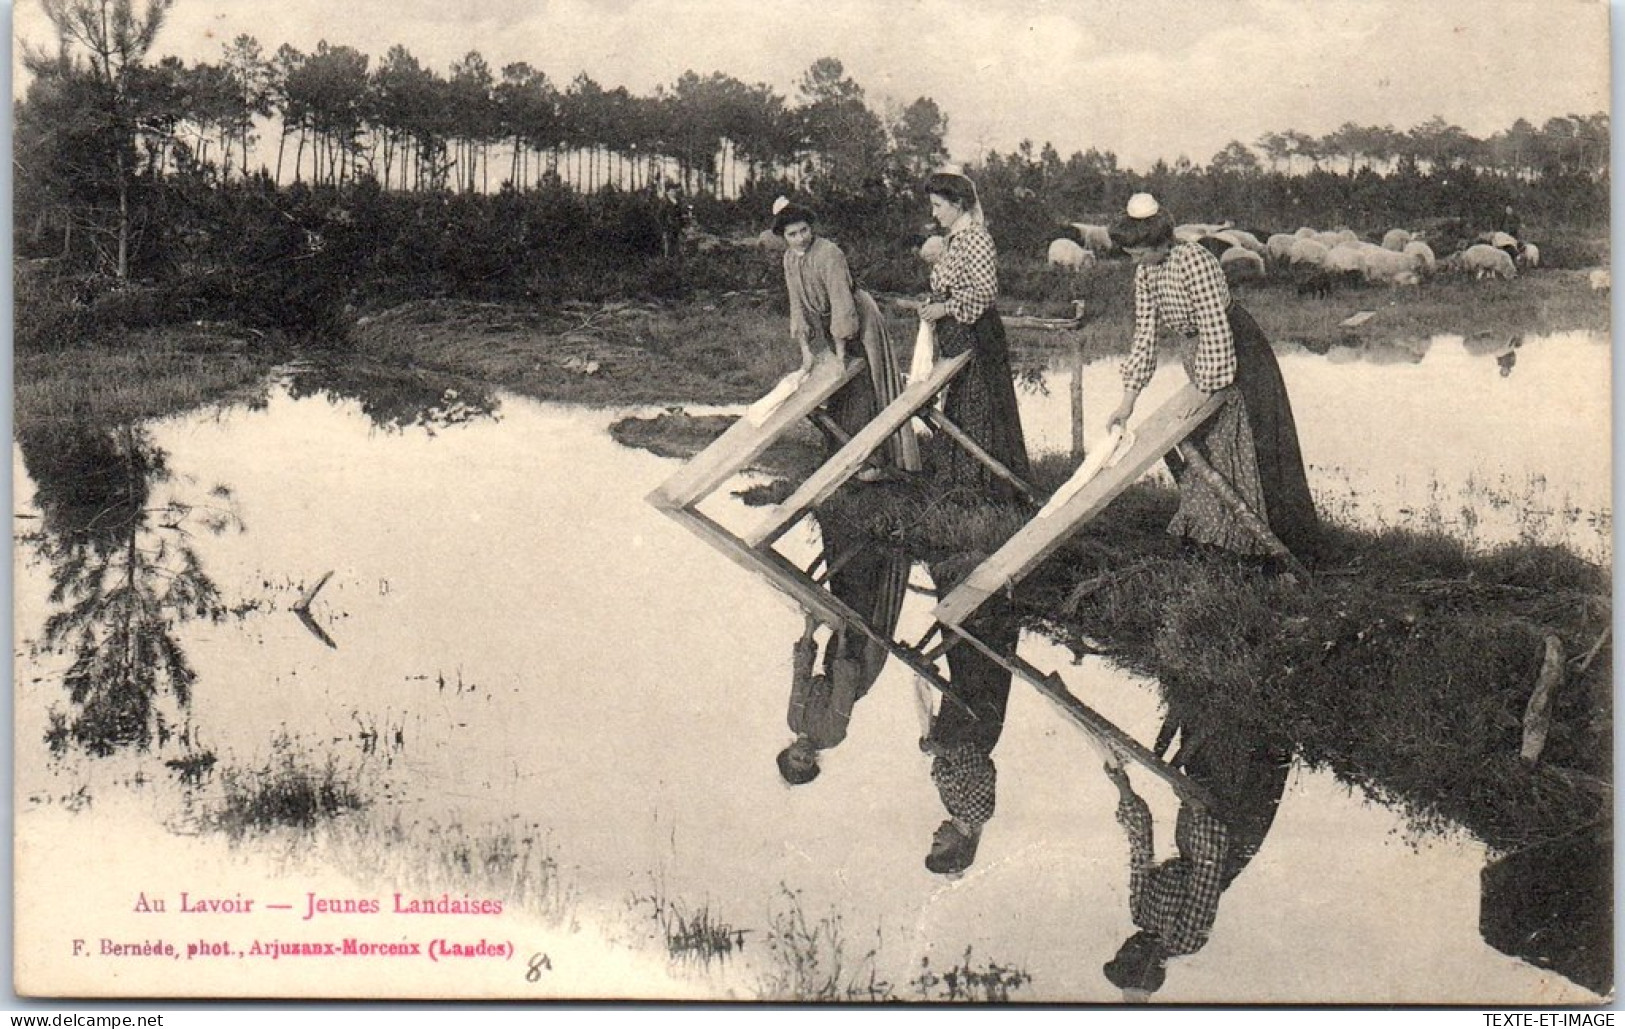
851, 457
1102, 729
1043, 535
744, 441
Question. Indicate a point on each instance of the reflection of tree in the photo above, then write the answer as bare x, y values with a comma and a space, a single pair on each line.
398, 399
123, 575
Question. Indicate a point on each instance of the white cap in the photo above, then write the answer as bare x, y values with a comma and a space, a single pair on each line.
1142, 205
780, 204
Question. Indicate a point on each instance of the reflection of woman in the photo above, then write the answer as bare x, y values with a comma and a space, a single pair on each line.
1252, 441
964, 286
828, 314
963, 734
872, 582
1174, 903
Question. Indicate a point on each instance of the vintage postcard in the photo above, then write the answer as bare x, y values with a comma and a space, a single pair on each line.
857, 502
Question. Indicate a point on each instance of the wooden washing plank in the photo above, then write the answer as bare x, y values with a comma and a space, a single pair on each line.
743, 441
847, 460
1098, 726
795, 584
1167, 426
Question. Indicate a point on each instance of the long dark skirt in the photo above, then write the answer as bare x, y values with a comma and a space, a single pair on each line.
856, 404
982, 401
1253, 442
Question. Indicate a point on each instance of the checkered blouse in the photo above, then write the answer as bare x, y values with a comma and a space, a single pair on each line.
1179, 898
1188, 293
967, 275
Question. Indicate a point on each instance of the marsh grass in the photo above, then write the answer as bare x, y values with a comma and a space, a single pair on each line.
293, 789
967, 981
152, 374
808, 959
700, 934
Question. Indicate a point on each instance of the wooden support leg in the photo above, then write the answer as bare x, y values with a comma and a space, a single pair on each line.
958, 435
1249, 520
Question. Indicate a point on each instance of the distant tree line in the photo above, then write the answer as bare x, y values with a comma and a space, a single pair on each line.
118, 157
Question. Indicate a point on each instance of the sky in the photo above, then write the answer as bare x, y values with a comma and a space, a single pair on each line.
1145, 79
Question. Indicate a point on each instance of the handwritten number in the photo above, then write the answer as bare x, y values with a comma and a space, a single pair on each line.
539, 963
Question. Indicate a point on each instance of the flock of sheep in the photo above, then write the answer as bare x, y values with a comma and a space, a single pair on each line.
1319, 260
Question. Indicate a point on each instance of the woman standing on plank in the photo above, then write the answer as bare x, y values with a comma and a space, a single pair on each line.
964, 286
1252, 441
829, 314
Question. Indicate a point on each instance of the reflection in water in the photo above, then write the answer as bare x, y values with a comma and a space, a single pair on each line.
1552, 905
396, 399
1174, 903
872, 581
966, 728
124, 575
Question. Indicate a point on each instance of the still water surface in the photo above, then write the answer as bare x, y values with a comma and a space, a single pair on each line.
511, 633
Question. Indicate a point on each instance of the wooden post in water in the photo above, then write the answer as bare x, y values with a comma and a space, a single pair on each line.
1077, 397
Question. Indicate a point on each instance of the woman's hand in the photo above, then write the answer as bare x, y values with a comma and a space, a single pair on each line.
933, 311
1125, 408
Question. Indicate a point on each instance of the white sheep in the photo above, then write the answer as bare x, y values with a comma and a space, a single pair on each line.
1063, 253
1501, 240
1279, 246
1095, 237
1395, 239
1327, 239
1345, 257
1304, 232
1384, 265
1529, 255
932, 249
1348, 236
1309, 251
1482, 259
1423, 253
1193, 231
1241, 238
1600, 278
1241, 264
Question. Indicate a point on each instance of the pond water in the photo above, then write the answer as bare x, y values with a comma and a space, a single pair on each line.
512, 636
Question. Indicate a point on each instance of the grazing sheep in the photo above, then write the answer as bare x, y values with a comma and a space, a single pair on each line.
1279, 246
1529, 256
1305, 232
1395, 239
1194, 231
1481, 260
1094, 237
1383, 265
1309, 251
931, 250
1241, 265
1063, 253
1241, 238
1344, 257
1327, 239
1499, 240
1423, 253
1348, 236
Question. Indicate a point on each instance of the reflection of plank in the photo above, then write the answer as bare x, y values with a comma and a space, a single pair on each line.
807, 594
846, 461
743, 441
1357, 319
303, 603
1097, 725
1041, 537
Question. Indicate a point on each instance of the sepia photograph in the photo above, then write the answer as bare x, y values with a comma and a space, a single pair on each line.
867, 503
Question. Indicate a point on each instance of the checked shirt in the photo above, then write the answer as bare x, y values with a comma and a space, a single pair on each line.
1187, 293
1179, 898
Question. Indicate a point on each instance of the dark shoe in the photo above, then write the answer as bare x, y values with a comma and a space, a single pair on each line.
951, 850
